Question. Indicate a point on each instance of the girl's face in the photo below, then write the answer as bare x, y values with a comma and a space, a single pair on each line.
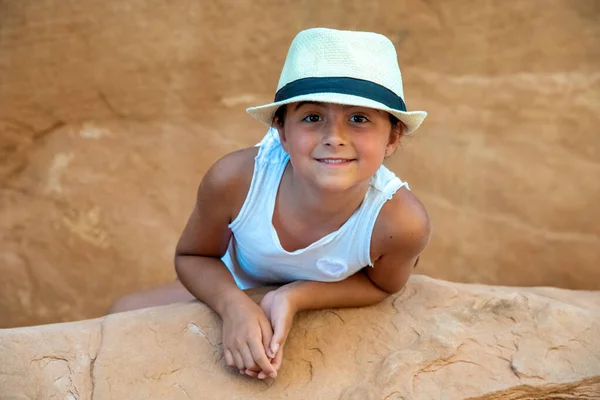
336, 147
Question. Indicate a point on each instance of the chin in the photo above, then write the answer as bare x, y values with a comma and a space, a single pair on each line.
333, 186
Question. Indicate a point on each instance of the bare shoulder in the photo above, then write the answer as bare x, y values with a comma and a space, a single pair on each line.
229, 178
232, 167
402, 225
221, 194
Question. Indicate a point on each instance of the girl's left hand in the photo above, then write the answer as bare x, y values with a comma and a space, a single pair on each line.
280, 310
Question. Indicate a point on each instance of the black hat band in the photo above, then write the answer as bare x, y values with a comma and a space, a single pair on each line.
341, 85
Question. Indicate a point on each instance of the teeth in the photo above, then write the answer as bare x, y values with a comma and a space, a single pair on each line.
328, 161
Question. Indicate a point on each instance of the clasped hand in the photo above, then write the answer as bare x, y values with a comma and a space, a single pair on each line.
254, 336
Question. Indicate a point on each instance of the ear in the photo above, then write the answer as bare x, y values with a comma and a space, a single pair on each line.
281, 131
394, 139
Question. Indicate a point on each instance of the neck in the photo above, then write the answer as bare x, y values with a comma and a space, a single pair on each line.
318, 205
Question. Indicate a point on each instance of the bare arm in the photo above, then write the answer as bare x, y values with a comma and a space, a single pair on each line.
206, 236
355, 291
246, 330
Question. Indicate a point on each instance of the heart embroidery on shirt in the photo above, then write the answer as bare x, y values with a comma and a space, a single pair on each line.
332, 267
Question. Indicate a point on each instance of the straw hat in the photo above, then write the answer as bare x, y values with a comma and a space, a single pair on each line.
342, 67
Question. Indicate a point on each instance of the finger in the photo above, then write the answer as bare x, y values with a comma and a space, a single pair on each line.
260, 357
239, 361
278, 337
229, 358
248, 358
278, 360
252, 373
267, 335
276, 364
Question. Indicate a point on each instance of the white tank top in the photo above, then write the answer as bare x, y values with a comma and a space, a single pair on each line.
255, 256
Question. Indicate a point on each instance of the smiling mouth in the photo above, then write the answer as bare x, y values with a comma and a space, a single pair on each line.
335, 160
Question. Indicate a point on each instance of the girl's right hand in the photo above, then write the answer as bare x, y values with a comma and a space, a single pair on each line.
246, 334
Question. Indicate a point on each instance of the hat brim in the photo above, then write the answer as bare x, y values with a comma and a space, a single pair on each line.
411, 119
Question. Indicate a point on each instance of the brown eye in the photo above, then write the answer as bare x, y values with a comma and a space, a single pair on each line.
312, 118
361, 119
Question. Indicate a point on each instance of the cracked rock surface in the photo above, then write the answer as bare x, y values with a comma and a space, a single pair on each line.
435, 339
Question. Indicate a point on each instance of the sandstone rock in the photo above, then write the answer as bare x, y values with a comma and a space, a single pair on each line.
433, 340
111, 112
588, 388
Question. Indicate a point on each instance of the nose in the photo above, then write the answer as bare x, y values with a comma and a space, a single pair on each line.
333, 134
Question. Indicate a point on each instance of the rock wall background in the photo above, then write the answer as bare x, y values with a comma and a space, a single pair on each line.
110, 113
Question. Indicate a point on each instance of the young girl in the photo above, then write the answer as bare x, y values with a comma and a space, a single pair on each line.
311, 207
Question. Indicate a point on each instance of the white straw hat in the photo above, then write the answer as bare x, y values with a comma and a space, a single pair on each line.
342, 67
